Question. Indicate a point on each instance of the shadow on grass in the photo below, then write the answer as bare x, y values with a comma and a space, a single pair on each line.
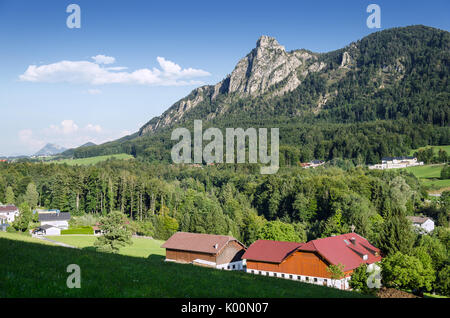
155, 258
90, 248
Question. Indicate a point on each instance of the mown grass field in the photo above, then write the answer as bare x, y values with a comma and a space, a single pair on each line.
435, 149
429, 175
141, 247
92, 160
31, 269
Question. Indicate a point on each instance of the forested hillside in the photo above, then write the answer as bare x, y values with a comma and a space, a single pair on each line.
380, 96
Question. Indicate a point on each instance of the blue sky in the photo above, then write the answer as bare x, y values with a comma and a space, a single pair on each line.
149, 54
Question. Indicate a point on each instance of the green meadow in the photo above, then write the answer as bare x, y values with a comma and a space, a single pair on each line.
141, 247
92, 160
32, 268
435, 149
429, 175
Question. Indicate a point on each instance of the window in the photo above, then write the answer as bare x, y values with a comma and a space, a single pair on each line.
267, 273
299, 277
228, 267
307, 279
315, 280
290, 276
260, 273
253, 271
282, 275
234, 266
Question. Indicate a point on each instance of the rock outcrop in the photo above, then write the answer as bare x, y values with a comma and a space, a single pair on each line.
268, 64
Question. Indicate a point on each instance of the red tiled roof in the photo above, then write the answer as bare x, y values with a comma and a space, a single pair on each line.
196, 242
341, 249
270, 251
8, 208
336, 250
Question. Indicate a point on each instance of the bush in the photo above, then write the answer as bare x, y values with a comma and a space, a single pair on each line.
144, 228
80, 230
11, 229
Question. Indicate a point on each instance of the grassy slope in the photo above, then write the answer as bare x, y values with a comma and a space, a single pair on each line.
429, 175
435, 149
39, 270
92, 160
141, 247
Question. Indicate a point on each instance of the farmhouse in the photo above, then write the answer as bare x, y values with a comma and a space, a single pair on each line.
8, 213
59, 220
209, 250
48, 229
308, 262
396, 162
423, 223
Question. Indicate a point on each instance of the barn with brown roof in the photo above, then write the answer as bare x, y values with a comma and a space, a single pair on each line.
308, 262
210, 250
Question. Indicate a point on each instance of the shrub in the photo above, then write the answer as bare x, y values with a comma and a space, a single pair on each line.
80, 230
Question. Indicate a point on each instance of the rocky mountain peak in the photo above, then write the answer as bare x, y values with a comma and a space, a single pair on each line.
268, 42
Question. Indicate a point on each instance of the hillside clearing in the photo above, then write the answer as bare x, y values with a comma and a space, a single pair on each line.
92, 160
429, 176
435, 149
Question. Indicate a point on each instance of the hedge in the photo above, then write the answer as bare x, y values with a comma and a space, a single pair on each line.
79, 230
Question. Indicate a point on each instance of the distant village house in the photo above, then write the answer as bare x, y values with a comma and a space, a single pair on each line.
52, 222
8, 213
312, 164
425, 224
396, 162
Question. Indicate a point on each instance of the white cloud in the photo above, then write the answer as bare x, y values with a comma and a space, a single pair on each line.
66, 127
94, 91
95, 128
27, 138
169, 74
103, 59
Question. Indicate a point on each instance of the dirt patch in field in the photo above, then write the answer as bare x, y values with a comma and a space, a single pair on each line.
394, 293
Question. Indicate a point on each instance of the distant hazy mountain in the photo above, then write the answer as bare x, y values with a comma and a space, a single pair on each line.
50, 150
88, 144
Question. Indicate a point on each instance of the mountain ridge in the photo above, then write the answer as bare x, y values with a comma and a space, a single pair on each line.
394, 81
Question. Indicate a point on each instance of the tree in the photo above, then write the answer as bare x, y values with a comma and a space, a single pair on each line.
9, 195
334, 225
165, 226
397, 234
31, 195
445, 172
278, 231
24, 218
358, 281
443, 281
403, 271
336, 272
400, 193
116, 232
428, 273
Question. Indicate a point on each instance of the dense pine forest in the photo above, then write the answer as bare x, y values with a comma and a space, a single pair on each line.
221, 199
